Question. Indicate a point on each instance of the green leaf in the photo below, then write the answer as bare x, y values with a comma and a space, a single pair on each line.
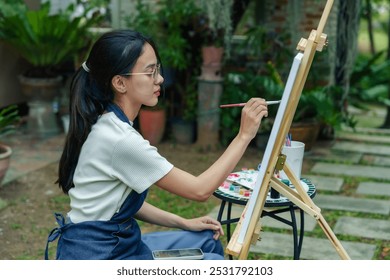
8, 117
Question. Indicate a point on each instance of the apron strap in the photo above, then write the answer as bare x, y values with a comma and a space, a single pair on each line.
112, 107
55, 233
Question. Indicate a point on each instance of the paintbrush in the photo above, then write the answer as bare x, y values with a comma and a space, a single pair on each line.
243, 104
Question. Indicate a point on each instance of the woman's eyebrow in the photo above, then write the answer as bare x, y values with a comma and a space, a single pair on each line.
152, 65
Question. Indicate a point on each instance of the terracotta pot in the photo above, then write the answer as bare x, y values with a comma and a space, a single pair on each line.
41, 89
212, 55
306, 132
5, 155
152, 124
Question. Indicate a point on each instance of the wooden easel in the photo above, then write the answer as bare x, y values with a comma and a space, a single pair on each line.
247, 231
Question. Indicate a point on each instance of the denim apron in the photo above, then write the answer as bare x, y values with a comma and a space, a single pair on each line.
118, 238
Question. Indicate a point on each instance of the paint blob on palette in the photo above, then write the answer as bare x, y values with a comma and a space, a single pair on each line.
233, 191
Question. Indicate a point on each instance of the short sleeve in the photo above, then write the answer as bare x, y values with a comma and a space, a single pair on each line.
138, 164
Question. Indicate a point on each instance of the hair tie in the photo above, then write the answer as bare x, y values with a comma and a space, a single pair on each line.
85, 67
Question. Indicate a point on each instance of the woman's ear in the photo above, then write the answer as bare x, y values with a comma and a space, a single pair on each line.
118, 84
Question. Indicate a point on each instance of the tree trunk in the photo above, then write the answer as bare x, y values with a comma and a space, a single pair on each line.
346, 49
369, 26
238, 10
386, 124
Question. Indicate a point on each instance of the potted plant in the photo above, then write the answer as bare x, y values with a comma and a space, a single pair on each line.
217, 29
152, 122
46, 40
8, 117
184, 127
315, 109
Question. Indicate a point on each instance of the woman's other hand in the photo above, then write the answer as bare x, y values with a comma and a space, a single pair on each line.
205, 223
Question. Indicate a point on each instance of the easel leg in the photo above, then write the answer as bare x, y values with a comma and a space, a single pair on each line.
305, 203
333, 239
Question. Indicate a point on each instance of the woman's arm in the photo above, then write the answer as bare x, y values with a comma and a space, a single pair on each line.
201, 187
153, 215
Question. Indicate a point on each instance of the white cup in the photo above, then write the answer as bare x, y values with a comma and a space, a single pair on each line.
294, 154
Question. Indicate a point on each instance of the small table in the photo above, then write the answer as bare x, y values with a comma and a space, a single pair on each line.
282, 204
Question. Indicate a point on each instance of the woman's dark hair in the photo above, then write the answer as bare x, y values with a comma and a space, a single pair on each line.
114, 53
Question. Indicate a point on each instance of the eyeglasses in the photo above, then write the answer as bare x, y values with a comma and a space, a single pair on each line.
156, 71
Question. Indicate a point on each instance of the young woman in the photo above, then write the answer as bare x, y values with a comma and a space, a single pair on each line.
107, 167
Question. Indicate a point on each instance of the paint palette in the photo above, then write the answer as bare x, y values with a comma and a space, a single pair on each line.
245, 178
238, 187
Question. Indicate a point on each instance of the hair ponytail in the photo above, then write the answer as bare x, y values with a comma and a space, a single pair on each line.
84, 109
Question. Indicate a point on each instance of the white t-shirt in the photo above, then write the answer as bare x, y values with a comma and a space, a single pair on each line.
114, 160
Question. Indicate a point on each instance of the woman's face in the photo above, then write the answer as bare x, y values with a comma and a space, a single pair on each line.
142, 87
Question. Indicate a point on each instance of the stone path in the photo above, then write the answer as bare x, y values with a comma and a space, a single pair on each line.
26, 158
352, 178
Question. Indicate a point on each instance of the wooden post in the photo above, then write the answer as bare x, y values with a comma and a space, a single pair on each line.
209, 96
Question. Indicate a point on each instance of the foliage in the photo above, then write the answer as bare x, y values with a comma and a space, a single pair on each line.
267, 47
190, 102
8, 117
44, 39
172, 28
368, 84
240, 87
318, 104
369, 81
12, 7
169, 26
180, 29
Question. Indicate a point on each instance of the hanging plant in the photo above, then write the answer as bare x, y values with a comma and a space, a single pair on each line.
217, 22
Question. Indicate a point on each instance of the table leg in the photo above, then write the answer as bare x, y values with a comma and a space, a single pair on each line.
229, 215
297, 242
220, 212
295, 232
301, 231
